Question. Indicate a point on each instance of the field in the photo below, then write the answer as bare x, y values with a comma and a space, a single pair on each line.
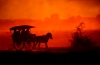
59, 51
85, 57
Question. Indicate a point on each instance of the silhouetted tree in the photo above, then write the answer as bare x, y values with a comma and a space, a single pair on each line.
81, 40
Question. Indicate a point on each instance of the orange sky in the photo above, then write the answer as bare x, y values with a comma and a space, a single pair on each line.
69, 13
40, 9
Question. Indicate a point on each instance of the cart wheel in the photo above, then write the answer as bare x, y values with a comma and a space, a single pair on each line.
31, 46
18, 46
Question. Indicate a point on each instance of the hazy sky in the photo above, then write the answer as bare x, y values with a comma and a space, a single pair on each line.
40, 9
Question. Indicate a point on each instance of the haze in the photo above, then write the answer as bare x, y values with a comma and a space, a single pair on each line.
40, 9
59, 17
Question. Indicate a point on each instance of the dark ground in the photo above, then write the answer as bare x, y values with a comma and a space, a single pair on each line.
91, 56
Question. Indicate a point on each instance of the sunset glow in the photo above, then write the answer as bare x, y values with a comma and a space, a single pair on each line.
55, 16
40, 9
